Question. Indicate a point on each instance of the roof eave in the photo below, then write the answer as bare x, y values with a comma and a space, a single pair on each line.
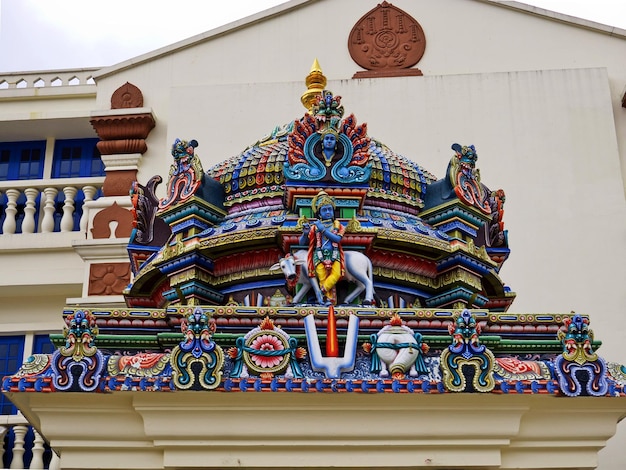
559, 17
206, 36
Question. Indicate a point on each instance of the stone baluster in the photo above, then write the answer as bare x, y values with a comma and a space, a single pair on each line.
10, 224
55, 462
38, 449
3, 431
67, 221
28, 223
18, 446
89, 192
47, 224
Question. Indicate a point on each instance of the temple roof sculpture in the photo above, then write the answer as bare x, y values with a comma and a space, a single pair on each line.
432, 243
318, 260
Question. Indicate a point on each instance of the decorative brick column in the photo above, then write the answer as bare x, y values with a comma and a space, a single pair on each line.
123, 131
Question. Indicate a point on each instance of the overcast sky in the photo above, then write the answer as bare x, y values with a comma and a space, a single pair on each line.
58, 34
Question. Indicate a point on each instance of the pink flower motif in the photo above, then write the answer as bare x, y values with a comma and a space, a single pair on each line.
266, 343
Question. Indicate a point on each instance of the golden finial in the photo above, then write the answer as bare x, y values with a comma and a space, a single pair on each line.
315, 82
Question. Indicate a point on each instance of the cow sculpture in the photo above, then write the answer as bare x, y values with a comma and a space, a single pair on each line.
358, 269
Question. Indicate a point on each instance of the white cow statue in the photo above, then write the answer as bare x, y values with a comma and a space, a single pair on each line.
358, 269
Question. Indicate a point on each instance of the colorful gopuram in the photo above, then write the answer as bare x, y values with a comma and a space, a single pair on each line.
320, 267
320, 260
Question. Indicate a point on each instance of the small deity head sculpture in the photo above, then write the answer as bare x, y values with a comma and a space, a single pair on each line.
324, 206
329, 139
326, 212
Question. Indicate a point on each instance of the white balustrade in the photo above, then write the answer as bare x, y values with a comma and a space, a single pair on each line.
47, 78
18, 427
46, 206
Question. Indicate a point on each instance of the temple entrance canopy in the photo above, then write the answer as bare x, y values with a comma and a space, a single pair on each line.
319, 300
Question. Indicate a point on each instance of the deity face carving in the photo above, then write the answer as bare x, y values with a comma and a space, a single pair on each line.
326, 212
329, 142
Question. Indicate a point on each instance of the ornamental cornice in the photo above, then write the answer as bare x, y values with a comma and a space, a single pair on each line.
407, 199
445, 279
442, 314
239, 236
251, 195
102, 249
193, 207
478, 252
457, 209
412, 238
241, 275
193, 273
123, 125
122, 161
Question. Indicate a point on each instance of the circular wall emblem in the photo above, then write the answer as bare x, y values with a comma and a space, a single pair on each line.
267, 351
387, 41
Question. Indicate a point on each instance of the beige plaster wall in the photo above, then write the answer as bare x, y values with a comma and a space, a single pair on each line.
463, 36
34, 309
42, 258
293, 430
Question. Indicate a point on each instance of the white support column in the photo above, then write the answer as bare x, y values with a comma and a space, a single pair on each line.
49, 157
29, 341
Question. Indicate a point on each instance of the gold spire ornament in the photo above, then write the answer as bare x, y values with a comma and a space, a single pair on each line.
315, 82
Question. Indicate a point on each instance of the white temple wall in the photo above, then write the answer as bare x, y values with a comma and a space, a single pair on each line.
462, 36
